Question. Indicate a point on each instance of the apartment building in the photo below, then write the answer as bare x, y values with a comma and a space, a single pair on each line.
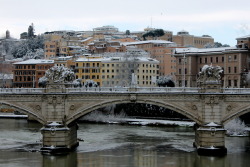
100, 47
89, 68
105, 29
65, 44
243, 42
160, 50
51, 49
117, 70
234, 62
27, 73
184, 39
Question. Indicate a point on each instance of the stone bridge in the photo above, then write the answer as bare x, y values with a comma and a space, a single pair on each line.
58, 108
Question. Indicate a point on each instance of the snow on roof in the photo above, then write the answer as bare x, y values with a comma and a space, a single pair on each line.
90, 59
54, 124
204, 50
149, 41
36, 61
112, 59
212, 124
84, 40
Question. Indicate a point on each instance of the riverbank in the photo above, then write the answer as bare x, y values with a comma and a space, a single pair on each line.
12, 115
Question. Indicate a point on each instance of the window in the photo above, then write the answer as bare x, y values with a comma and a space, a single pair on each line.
211, 59
205, 60
235, 57
179, 60
179, 71
229, 69
235, 69
229, 83
235, 83
217, 59
200, 60
222, 59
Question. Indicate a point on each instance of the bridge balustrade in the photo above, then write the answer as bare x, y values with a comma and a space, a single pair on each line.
125, 89
236, 90
21, 90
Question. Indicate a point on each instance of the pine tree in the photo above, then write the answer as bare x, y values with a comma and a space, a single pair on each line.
31, 31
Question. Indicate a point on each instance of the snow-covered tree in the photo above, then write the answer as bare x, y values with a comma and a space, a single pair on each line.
215, 45
77, 83
57, 74
235, 127
31, 31
154, 33
29, 46
165, 81
90, 83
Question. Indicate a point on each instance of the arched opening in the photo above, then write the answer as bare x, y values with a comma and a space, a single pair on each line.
154, 109
136, 111
23, 110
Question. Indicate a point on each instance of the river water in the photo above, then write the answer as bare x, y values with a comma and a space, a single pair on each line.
115, 145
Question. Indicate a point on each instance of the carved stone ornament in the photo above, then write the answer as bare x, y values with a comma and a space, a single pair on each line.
38, 107
212, 100
229, 108
72, 107
194, 107
132, 98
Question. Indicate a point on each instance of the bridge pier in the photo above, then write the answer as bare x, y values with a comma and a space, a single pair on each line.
58, 138
210, 140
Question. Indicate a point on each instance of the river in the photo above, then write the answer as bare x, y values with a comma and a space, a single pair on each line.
115, 145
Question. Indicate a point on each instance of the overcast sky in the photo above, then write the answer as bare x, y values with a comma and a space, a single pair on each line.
224, 20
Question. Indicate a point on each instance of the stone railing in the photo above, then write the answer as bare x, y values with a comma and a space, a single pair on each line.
122, 90
21, 90
134, 89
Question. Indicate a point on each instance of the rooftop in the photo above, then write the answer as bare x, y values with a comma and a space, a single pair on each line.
36, 61
149, 41
206, 50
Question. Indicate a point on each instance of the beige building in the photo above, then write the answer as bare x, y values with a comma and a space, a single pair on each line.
88, 68
184, 39
160, 50
117, 70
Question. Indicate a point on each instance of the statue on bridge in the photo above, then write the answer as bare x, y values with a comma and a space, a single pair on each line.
57, 75
210, 73
57, 78
210, 78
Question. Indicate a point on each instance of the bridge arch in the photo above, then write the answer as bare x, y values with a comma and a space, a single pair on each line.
25, 110
236, 113
85, 110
